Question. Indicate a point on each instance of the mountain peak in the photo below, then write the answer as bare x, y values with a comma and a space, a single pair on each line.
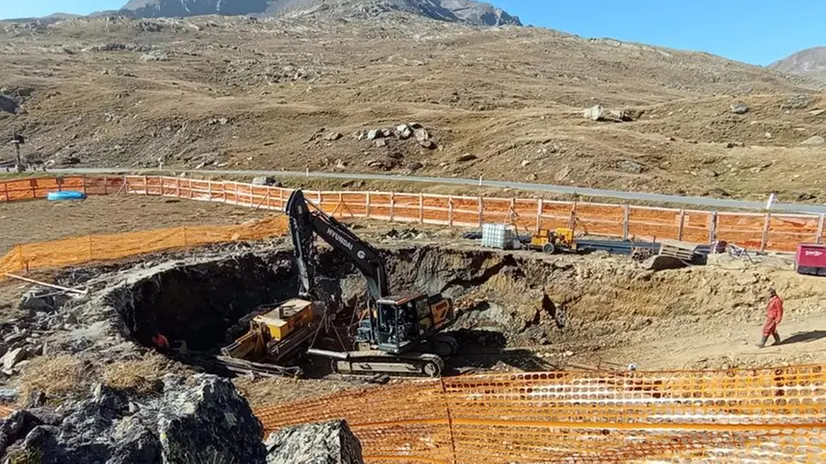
464, 11
810, 62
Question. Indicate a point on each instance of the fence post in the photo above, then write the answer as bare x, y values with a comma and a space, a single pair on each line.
145, 185
281, 199
392, 206
367, 205
178, 188
819, 237
450, 211
33, 183
421, 209
6, 196
90, 248
682, 225
765, 238
105, 185
511, 210
481, 206
540, 205
712, 227
626, 221
82, 183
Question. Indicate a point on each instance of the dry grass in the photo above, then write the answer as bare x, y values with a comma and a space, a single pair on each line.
57, 376
140, 376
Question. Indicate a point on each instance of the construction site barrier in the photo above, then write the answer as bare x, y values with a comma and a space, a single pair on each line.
764, 232
759, 231
749, 415
91, 248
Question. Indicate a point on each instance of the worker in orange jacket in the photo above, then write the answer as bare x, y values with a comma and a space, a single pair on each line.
774, 314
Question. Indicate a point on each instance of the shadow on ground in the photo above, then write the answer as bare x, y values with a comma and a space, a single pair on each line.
802, 337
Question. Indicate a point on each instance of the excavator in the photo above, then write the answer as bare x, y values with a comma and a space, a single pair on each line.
396, 335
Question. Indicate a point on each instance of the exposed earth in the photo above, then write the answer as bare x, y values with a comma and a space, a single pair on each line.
518, 310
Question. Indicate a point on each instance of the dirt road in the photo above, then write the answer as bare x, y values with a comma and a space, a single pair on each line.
731, 345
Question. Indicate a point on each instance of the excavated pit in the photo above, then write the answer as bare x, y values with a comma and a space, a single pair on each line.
509, 305
207, 304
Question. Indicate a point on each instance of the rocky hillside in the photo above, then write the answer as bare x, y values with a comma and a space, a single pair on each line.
810, 62
407, 94
466, 11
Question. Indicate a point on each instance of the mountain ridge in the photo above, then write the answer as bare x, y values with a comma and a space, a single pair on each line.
810, 62
465, 11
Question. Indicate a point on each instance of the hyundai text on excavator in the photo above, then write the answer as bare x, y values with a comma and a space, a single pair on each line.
397, 335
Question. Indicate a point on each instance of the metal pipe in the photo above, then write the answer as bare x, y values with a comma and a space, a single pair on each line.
329, 354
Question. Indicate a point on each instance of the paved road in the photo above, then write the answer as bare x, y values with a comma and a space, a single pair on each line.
559, 189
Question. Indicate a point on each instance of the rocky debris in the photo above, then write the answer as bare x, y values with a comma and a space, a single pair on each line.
155, 55
735, 145
329, 443
381, 143
266, 180
466, 157
36, 300
621, 115
118, 47
631, 167
373, 134
422, 134
404, 131
202, 420
415, 166
218, 121
385, 164
663, 263
352, 183
806, 196
429, 144
8, 105
13, 357
796, 102
739, 108
333, 136
594, 113
816, 112
813, 141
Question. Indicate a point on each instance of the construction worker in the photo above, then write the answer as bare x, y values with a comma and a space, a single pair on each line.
774, 314
160, 342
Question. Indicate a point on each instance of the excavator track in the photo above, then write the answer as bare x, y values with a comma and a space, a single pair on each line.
379, 362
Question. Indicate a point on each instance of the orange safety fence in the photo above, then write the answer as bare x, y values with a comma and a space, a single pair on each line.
90, 248
746, 415
762, 231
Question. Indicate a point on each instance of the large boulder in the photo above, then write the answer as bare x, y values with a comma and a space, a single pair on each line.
197, 419
209, 421
328, 443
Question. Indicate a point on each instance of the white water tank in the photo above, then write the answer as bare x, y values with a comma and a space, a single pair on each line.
497, 236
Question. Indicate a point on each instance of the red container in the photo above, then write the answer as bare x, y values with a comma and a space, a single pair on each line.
810, 259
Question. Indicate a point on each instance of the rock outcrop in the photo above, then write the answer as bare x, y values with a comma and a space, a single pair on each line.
201, 419
329, 443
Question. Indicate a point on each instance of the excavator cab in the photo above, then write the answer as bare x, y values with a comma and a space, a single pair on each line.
401, 322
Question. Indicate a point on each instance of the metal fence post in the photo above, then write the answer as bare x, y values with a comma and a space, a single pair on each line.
540, 206
421, 209
712, 227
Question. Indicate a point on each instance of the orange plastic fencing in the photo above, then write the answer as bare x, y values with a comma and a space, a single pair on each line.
90, 248
762, 231
776, 232
754, 415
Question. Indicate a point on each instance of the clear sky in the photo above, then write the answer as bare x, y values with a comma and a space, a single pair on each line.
754, 31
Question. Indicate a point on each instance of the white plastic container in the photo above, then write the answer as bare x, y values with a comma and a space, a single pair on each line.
497, 236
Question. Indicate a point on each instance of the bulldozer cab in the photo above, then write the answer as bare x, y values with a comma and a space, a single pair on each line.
402, 322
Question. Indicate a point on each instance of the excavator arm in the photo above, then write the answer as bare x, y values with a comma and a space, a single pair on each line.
305, 221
